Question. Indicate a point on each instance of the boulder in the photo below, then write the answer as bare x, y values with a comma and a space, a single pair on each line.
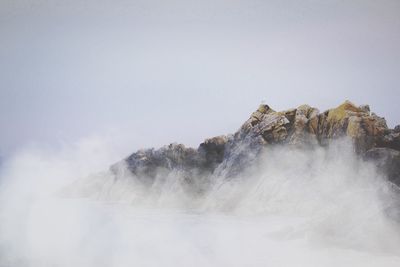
390, 140
305, 126
212, 151
388, 162
354, 122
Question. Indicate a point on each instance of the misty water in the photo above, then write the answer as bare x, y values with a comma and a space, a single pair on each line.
319, 207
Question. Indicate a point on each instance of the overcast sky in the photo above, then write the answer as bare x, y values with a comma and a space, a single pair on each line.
164, 71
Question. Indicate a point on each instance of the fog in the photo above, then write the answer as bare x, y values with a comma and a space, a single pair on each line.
317, 207
85, 83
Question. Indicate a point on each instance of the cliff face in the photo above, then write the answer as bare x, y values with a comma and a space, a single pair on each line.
301, 127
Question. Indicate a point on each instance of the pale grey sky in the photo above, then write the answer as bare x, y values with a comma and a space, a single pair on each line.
181, 71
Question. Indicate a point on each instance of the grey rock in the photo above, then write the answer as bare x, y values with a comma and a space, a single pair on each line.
387, 160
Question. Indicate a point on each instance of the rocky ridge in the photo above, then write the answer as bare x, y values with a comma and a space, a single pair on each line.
300, 127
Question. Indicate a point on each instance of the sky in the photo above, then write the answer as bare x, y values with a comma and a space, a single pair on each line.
180, 71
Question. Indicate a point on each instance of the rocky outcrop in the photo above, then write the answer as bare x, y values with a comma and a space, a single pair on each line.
300, 127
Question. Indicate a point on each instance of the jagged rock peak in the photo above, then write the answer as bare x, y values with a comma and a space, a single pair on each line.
306, 125
298, 127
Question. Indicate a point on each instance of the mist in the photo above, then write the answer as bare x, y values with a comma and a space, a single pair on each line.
309, 207
83, 84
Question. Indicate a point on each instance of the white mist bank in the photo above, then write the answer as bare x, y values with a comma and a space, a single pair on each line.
324, 207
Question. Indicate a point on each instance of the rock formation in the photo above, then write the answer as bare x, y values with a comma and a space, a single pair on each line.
301, 127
